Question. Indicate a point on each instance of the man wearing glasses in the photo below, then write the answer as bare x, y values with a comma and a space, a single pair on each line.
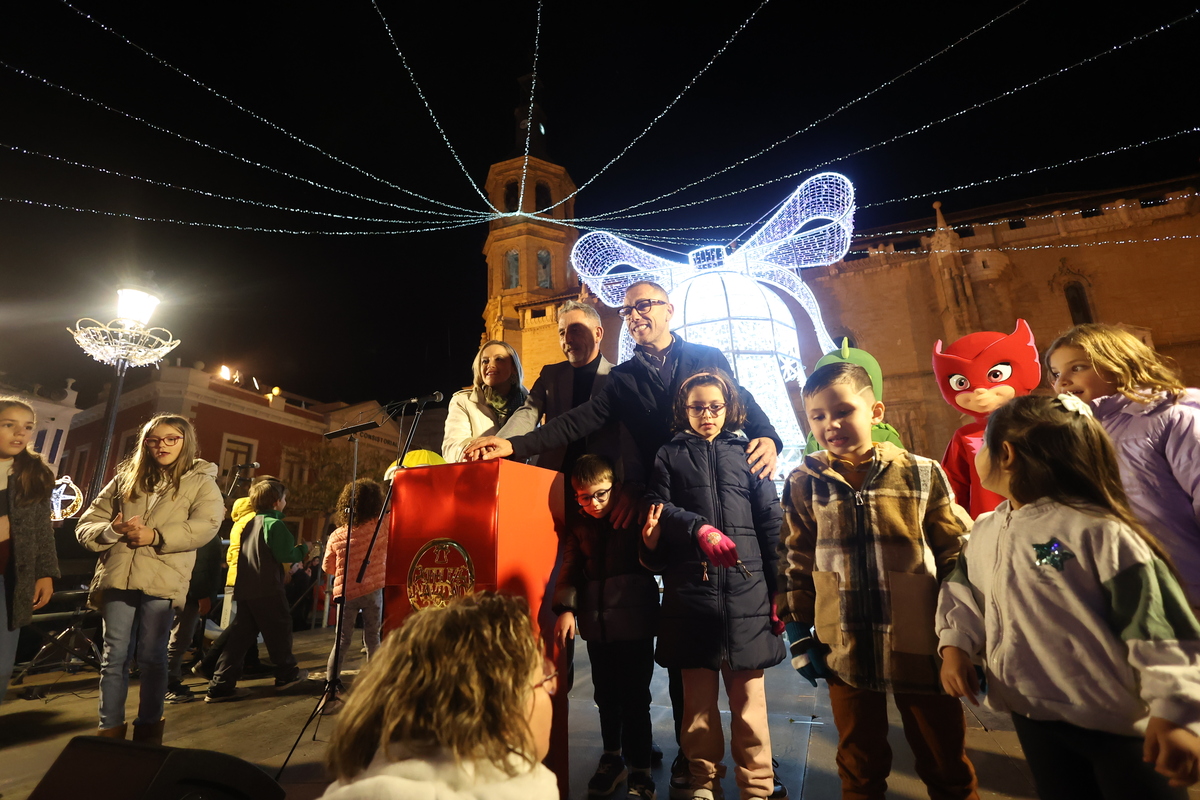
639, 394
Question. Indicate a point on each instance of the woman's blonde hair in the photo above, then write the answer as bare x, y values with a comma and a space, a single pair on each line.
140, 473
486, 392
454, 679
1122, 357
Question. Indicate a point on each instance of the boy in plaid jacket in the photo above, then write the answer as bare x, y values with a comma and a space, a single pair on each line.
869, 530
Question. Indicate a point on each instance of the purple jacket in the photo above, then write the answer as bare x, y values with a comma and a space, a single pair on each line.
1158, 446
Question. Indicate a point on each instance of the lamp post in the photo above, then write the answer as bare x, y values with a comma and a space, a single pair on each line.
124, 342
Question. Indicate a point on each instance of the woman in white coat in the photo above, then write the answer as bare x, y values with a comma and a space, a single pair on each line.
147, 524
497, 392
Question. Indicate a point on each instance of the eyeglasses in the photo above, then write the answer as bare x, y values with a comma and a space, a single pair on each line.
643, 307
715, 409
601, 496
154, 441
549, 681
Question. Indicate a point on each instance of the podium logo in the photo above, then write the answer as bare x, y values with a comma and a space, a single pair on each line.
440, 571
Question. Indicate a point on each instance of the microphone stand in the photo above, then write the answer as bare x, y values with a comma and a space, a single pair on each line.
387, 498
332, 680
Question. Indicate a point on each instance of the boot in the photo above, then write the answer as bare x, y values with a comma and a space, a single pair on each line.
113, 733
150, 734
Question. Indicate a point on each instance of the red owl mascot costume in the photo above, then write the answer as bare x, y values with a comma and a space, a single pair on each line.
976, 375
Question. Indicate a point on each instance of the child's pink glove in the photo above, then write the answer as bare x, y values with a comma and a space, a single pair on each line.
776, 622
717, 547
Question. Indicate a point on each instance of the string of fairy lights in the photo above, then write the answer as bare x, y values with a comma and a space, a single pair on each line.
919, 129
457, 216
254, 115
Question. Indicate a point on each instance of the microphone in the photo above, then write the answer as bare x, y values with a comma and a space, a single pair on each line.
436, 397
251, 465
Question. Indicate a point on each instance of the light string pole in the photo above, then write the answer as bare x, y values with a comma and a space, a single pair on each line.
124, 342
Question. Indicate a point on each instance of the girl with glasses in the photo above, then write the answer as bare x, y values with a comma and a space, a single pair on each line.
456, 703
712, 531
147, 524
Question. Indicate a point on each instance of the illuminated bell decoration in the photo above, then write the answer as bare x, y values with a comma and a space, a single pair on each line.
728, 300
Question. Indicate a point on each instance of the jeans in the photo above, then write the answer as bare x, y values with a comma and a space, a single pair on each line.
134, 621
8, 642
372, 608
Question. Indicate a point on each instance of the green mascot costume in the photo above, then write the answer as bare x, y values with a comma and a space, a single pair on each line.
881, 431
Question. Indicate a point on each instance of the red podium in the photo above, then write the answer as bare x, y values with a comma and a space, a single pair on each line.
472, 527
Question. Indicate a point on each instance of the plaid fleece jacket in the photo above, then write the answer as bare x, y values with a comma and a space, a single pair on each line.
862, 568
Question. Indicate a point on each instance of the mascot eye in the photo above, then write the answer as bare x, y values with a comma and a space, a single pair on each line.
959, 382
1000, 373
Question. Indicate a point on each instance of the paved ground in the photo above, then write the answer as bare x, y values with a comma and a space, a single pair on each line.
262, 728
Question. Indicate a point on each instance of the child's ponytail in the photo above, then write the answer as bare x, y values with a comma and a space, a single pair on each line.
1060, 451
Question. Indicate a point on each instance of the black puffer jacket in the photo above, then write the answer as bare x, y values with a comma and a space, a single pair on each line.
712, 614
614, 598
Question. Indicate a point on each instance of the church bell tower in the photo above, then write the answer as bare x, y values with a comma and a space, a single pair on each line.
528, 254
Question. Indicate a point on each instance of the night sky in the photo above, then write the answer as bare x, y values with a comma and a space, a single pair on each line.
391, 315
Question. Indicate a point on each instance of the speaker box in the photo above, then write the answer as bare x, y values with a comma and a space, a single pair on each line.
99, 768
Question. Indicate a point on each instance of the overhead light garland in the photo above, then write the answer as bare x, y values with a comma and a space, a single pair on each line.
247, 111
537, 40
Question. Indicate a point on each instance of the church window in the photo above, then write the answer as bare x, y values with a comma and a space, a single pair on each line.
510, 196
543, 269
512, 269
1077, 302
542, 196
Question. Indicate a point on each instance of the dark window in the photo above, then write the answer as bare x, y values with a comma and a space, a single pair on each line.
908, 244
542, 196
1077, 302
1016, 224
1091, 212
537, 313
512, 269
543, 272
1151, 202
510, 196
965, 230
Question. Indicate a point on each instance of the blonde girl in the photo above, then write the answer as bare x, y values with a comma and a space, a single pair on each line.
1082, 628
1154, 422
28, 564
146, 524
455, 704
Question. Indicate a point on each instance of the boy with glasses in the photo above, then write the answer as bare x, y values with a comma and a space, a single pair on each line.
605, 594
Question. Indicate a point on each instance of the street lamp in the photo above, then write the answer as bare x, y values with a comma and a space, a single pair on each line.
125, 342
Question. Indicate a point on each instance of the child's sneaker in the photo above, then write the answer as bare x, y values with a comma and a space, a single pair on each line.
681, 778
610, 772
178, 693
641, 786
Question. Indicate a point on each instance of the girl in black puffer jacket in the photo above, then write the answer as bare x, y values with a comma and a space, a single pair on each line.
712, 531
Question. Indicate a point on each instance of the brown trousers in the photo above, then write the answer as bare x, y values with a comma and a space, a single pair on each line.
703, 741
934, 726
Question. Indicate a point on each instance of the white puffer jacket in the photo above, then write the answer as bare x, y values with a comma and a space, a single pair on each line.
186, 521
442, 778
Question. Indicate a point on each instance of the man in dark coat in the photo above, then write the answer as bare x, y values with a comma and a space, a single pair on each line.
639, 394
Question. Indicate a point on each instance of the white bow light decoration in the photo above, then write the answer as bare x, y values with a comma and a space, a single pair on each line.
720, 299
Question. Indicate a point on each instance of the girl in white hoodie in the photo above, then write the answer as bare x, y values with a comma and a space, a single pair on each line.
1077, 615
454, 706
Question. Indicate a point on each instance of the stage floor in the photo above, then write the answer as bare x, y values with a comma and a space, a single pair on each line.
262, 728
